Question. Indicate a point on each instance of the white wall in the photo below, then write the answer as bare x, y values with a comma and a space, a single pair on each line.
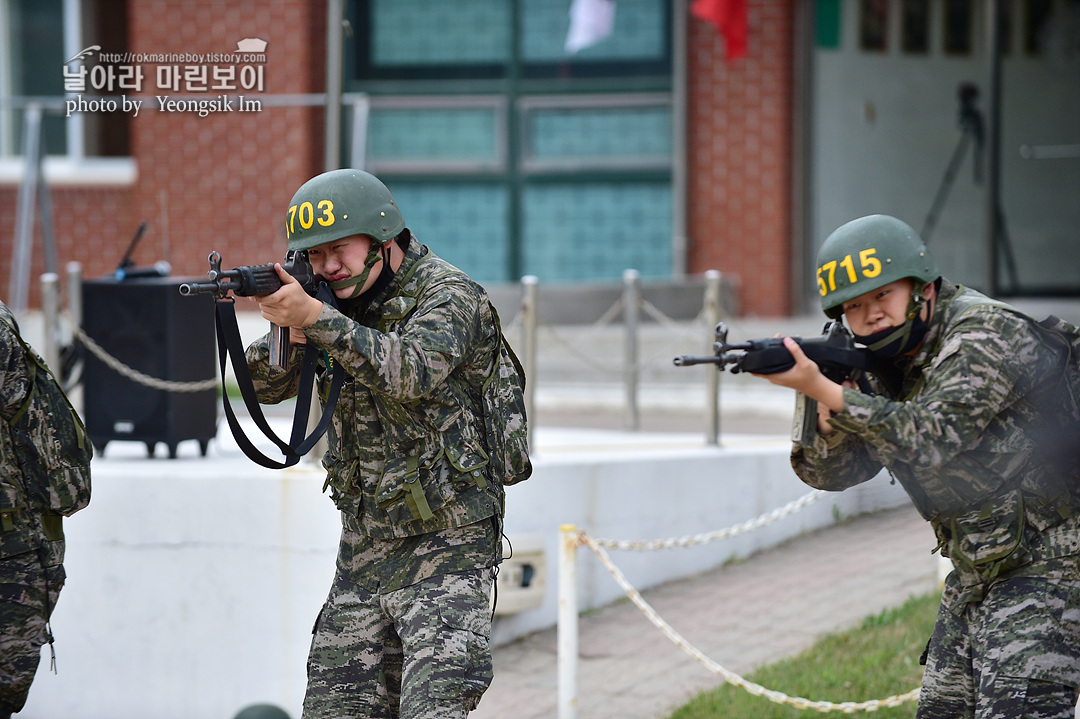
884, 127
673, 493
193, 583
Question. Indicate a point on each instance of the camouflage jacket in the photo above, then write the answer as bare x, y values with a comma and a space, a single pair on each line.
406, 456
20, 525
966, 436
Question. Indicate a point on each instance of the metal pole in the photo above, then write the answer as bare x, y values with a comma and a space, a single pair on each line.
24, 217
712, 375
74, 293
332, 150
361, 111
992, 144
75, 316
530, 285
50, 315
631, 289
679, 20
47, 235
567, 630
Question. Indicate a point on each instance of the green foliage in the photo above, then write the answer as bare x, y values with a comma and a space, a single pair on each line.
878, 659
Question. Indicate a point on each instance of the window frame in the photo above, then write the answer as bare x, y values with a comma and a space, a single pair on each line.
520, 86
73, 166
531, 166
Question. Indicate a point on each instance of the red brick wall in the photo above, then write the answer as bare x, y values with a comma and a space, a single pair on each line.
739, 167
219, 182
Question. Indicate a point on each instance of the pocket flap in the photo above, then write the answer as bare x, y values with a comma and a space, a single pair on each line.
467, 458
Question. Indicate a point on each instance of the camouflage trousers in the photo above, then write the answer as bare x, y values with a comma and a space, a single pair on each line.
1014, 655
420, 652
24, 613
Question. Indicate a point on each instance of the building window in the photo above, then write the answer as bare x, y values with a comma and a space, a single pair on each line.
873, 25
959, 19
915, 26
511, 152
827, 23
1037, 15
1005, 28
36, 38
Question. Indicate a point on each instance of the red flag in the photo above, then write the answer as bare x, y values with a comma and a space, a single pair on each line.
729, 16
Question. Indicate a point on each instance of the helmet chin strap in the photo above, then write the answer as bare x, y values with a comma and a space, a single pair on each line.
376, 253
895, 341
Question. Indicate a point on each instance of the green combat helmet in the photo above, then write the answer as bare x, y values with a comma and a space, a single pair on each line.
343, 203
869, 253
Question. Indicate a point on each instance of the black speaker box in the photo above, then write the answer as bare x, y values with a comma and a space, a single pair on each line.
146, 324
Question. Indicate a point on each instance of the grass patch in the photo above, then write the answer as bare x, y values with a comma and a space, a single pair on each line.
876, 660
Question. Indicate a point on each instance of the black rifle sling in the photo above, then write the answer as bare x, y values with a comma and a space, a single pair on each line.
231, 347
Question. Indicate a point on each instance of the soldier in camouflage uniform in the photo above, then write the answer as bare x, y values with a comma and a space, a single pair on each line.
974, 434
405, 629
31, 545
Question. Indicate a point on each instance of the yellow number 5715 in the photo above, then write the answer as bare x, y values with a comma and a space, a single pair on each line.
870, 266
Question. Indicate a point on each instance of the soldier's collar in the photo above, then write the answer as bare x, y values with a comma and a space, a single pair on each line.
946, 293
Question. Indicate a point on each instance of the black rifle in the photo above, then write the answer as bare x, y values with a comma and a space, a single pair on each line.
835, 352
253, 280
257, 281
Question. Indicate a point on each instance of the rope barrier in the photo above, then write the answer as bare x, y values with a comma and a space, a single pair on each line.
572, 538
661, 359
728, 675
573, 350
733, 531
134, 374
662, 319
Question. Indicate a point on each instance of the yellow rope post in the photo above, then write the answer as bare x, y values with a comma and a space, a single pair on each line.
569, 539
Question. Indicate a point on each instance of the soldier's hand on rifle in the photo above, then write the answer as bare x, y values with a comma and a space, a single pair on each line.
806, 377
290, 306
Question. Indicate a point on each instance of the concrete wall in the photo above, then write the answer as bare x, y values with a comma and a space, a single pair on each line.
659, 494
193, 583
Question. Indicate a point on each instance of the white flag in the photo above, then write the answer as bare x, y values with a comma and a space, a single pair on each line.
590, 22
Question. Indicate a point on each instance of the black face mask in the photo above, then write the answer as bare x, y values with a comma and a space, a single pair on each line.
894, 342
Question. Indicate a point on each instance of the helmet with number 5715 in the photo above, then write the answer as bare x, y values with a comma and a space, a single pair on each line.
342, 203
868, 253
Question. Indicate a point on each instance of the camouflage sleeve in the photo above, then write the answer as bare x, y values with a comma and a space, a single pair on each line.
14, 379
14, 383
988, 361
834, 462
408, 363
273, 385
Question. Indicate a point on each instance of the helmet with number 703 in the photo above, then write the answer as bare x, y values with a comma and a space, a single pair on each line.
342, 203
866, 254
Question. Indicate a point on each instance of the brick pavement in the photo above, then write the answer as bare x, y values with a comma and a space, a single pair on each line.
744, 615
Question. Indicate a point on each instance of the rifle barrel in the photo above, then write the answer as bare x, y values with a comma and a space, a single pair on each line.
194, 288
685, 361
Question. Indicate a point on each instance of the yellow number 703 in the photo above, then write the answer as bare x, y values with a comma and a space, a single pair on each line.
305, 212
